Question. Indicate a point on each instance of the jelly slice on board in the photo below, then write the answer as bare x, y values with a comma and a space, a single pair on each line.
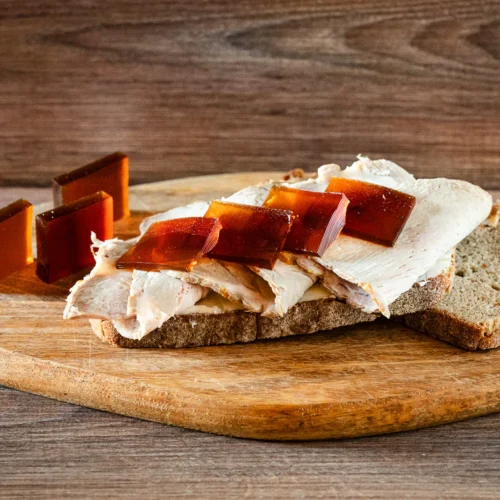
109, 174
249, 235
173, 244
319, 217
63, 235
375, 213
15, 237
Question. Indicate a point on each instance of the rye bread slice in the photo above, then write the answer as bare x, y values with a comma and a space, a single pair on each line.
194, 330
469, 317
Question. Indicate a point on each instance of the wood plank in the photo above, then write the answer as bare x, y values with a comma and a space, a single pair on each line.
44, 195
33, 195
310, 387
50, 449
225, 86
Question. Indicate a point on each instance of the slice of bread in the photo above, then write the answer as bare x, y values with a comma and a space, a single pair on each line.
469, 317
198, 329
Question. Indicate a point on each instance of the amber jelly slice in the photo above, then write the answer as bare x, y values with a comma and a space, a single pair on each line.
15, 237
249, 235
173, 244
63, 235
375, 213
109, 174
319, 218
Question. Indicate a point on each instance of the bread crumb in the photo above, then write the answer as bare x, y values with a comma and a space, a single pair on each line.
296, 173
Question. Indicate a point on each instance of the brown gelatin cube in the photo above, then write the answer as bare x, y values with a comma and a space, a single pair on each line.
63, 235
108, 174
319, 217
375, 213
250, 235
173, 244
15, 237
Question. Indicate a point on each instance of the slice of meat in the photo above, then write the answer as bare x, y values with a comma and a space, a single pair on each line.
288, 283
339, 288
355, 295
195, 209
214, 303
366, 275
251, 195
445, 213
101, 296
383, 172
233, 281
154, 298
137, 302
104, 292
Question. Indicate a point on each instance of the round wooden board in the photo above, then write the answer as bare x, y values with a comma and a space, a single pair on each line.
368, 379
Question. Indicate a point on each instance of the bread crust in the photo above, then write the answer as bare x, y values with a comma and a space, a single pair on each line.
195, 330
469, 317
455, 329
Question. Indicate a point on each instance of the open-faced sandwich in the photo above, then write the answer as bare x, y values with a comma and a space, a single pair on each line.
287, 258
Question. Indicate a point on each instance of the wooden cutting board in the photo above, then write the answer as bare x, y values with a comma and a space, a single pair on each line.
368, 379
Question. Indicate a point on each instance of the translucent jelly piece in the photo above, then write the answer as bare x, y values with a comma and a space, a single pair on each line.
319, 217
249, 235
174, 244
15, 237
108, 174
63, 235
375, 213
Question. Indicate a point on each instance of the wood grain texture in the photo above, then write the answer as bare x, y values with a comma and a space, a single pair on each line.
33, 195
43, 195
217, 86
54, 450
369, 379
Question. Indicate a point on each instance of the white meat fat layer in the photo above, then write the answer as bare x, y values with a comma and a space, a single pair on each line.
233, 281
339, 288
251, 195
360, 291
287, 282
196, 209
353, 294
137, 302
154, 298
445, 264
214, 303
445, 213
104, 292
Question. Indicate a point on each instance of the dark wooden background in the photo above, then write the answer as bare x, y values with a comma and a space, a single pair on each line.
207, 86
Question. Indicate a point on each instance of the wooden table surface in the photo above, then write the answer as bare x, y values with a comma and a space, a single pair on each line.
50, 449
211, 86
